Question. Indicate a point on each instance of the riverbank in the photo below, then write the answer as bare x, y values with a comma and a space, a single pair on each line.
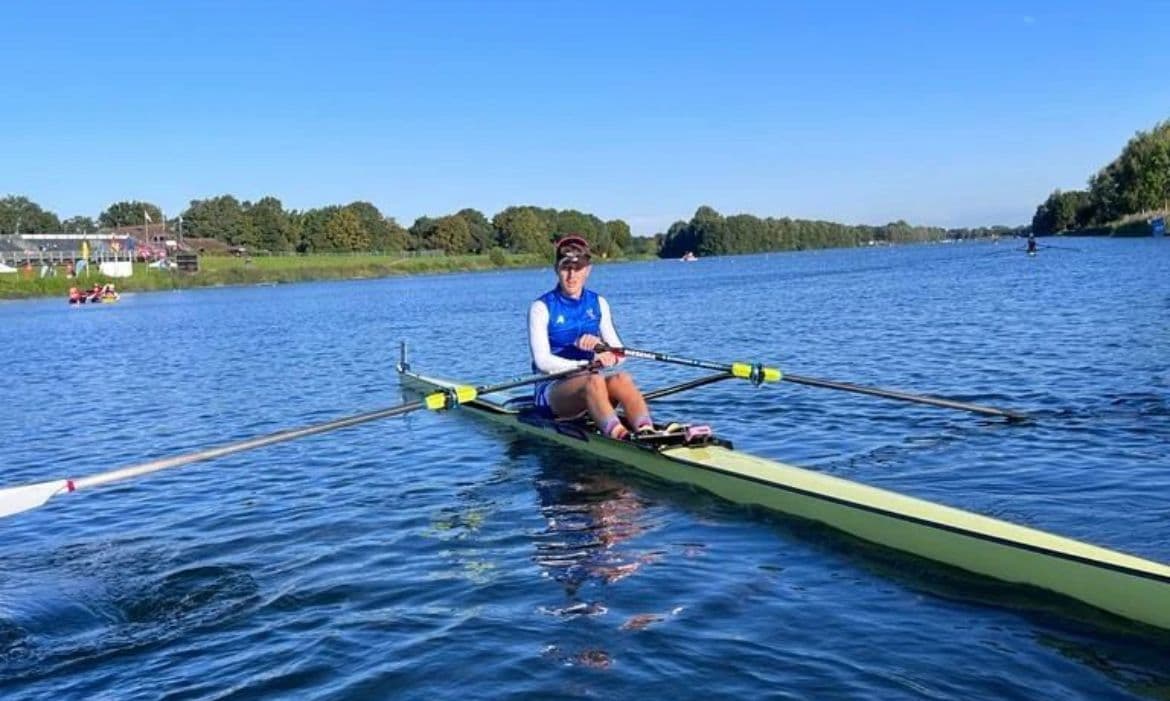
227, 270
1129, 226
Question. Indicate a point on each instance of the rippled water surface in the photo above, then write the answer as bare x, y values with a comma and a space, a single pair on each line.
436, 557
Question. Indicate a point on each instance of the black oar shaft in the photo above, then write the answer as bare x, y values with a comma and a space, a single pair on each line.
663, 357
758, 373
905, 396
684, 386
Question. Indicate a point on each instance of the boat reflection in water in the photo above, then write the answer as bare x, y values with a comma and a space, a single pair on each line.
592, 519
593, 522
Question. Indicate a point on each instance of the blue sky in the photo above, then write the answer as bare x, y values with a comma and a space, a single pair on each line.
939, 113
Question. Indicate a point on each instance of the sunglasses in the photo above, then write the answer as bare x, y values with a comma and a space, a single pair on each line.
573, 265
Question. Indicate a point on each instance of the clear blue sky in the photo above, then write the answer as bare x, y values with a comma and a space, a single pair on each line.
940, 113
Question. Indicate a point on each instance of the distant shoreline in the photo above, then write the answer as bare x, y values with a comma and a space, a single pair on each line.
220, 271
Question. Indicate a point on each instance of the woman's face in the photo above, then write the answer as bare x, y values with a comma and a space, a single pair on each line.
572, 277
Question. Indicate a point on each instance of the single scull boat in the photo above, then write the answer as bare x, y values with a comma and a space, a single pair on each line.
1125, 585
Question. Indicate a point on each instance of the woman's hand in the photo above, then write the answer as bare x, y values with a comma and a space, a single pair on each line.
587, 342
607, 359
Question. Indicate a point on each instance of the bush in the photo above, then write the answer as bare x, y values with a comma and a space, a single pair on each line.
498, 257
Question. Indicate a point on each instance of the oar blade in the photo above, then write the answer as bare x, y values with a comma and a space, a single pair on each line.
17, 499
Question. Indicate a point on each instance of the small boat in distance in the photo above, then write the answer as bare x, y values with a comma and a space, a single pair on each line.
689, 257
100, 294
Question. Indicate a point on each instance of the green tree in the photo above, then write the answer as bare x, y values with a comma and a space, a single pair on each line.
421, 232
483, 234
313, 224
619, 231
452, 234
679, 239
710, 232
20, 215
345, 232
746, 233
396, 238
384, 233
221, 218
247, 235
272, 226
522, 230
130, 213
571, 221
78, 225
1060, 212
1138, 180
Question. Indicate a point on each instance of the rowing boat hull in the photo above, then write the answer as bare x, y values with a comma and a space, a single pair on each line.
1128, 586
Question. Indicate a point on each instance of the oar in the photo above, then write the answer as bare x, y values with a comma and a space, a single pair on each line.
758, 373
755, 373
14, 500
907, 397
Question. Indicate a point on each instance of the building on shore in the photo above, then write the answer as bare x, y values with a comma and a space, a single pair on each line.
113, 252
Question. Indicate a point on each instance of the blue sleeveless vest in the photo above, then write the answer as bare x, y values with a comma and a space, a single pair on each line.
568, 320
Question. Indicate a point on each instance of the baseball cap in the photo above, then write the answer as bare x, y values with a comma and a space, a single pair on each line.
572, 249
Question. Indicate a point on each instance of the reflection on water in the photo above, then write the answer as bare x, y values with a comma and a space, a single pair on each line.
591, 520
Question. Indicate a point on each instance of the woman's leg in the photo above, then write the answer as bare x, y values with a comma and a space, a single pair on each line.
621, 389
573, 395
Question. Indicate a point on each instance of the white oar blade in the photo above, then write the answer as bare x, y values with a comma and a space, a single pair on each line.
17, 499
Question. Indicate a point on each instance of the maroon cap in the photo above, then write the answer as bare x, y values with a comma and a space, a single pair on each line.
572, 249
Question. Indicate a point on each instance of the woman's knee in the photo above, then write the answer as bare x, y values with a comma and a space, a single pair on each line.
620, 380
595, 384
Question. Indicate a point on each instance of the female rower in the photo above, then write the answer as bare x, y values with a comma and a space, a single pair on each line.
565, 325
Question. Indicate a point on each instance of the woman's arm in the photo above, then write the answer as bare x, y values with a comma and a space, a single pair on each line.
608, 332
542, 356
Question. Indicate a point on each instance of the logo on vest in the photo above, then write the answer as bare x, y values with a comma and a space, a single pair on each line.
560, 319
590, 313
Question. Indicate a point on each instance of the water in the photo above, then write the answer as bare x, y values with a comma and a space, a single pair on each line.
436, 557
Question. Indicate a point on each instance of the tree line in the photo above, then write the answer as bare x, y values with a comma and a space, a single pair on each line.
711, 233
265, 225
1135, 182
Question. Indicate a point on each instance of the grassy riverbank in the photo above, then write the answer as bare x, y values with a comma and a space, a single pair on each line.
216, 271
